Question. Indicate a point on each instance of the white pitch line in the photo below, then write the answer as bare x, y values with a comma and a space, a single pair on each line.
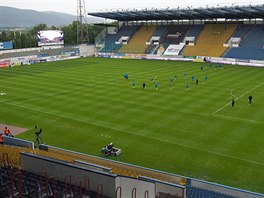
235, 118
238, 98
231, 93
50, 95
157, 139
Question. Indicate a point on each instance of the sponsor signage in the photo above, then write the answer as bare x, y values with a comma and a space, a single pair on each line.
174, 49
4, 63
6, 45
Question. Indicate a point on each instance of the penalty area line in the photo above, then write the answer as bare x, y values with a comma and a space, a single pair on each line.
237, 98
231, 93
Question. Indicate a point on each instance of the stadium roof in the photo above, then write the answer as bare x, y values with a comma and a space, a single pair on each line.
236, 12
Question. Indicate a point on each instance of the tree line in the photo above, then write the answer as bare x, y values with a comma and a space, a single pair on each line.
27, 38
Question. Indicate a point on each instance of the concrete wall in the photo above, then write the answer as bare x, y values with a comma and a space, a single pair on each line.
127, 184
163, 188
122, 166
58, 169
18, 142
87, 50
92, 166
173, 190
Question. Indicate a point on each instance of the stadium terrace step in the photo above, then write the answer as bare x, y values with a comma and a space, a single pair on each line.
211, 40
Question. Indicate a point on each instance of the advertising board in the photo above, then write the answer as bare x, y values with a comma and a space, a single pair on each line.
6, 45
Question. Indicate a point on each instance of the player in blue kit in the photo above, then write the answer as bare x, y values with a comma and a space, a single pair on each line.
187, 86
156, 85
216, 66
205, 79
126, 76
133, 84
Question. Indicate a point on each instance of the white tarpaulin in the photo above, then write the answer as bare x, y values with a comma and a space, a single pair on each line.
174, 49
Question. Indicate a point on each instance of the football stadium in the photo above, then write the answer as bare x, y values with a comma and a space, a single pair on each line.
167, 103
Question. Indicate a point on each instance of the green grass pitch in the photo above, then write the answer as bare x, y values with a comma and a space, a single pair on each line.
84, 104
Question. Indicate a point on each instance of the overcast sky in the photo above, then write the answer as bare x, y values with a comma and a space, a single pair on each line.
70, 6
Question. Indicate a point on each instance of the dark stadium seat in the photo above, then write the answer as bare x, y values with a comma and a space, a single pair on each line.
161, 31
194, 192
194, 30
179, 30
4, 183
241, 31
32, 185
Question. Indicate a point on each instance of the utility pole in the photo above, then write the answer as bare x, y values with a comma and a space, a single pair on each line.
82, 27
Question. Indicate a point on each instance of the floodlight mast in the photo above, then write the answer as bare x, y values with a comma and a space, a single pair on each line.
82, 29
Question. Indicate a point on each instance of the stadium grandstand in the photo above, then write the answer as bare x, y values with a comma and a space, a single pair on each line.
51, 51
47, 171
226, 32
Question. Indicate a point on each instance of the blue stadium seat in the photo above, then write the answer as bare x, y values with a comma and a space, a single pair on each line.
251, 46
194, 30
241, 31
160, 32
194, 192
110, 39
